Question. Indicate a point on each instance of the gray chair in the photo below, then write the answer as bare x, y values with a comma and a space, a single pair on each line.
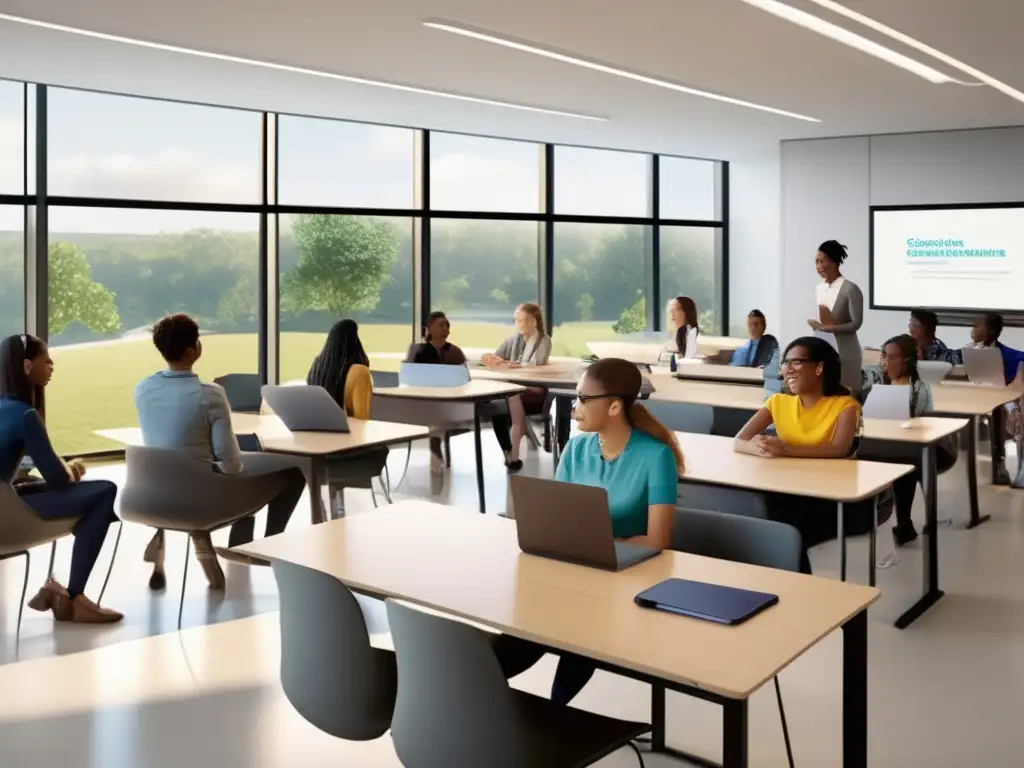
21, 529
729, 501
173, 491
682, 417
741, 540
455, 707
242, 390
329, 671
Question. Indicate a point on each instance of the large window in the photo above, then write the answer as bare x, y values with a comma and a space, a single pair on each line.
336, 266
688, 189
330, 163
479, 272
690, 266
599, 283
468, 173
12, 138
143, 149
598, 182
12, 270
112, 273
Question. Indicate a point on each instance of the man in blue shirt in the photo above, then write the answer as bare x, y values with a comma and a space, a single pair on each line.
756, 352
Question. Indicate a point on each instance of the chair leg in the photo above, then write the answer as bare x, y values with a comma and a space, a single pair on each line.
21, 603
785, 728
405, 470
448, 449
373, 495
184, 578
113, 556
385, 484
53, 557
639, 754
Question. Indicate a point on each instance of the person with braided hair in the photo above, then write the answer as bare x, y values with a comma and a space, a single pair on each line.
840, 310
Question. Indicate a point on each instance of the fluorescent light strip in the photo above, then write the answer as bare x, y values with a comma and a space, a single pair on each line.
290, 69
459, 29
852, 39
917, 45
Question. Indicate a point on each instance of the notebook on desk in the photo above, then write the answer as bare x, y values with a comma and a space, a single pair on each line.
710, 602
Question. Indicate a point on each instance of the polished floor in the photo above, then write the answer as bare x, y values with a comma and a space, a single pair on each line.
945, 692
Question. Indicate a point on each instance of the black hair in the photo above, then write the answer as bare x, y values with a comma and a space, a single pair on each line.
435, 315
341, 351
14, 351
758, 314
994, 324
820, 351
174, 335
908, 348
689, 307
834, 251
928, 319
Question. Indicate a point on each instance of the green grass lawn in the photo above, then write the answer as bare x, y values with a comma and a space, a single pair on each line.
93, 386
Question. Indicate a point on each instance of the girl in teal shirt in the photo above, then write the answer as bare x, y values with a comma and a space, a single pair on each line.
637, 460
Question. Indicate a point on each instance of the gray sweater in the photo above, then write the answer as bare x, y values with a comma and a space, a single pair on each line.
516, 350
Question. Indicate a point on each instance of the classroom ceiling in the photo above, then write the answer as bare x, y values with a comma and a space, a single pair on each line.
724, 46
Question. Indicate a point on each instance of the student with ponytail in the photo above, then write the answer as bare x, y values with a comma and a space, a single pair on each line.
637, 460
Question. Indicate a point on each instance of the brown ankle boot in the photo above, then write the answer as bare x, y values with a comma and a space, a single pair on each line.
155, 554
46, 596
207, 558
82, 610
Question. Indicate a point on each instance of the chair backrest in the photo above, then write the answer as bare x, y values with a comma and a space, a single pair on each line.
682, 417
432, 375
242, 390
162, 483
933, 371
384, 379
454, 706
729, 501
739, 539
984, 366
329, 671
22, 529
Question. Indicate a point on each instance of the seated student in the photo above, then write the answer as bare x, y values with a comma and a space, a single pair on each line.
922, 327
435, 349
683, 318
343, 369
817, 419
529, 346
179, 412
628, 452
986, 333
758, 351
25, 370
898, 367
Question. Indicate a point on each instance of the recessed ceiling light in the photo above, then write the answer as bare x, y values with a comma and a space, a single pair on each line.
917, 45
489, 37
293, 70
852, 39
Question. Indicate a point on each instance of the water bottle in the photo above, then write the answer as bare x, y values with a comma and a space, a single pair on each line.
672, 364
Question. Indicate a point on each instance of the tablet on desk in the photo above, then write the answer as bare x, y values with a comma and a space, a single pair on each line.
710, 602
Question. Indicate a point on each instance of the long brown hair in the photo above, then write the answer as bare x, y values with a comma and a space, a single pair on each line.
14, 351
534, 311
623, 379
689, 306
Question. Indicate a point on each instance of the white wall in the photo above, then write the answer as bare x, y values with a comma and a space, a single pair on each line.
828, 186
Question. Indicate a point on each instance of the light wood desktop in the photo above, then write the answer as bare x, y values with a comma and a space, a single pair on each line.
316, 446
699, 370
427, 409
470, 566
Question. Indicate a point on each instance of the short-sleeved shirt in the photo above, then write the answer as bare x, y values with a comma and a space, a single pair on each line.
645, 473
812, 426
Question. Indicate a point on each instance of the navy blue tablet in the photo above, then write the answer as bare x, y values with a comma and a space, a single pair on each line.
710, 602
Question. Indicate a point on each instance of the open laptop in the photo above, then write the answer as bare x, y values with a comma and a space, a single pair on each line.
984, 366
888, 401
570, 522
305, 409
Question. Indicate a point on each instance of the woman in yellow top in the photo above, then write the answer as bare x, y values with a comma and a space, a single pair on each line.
343, 369
817, 420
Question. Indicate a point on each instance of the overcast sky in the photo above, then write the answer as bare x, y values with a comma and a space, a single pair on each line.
111, 146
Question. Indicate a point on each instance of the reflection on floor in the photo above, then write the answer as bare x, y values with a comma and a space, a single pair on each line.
143, 696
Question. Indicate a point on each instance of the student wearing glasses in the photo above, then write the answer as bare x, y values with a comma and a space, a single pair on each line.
638, 461
818, 419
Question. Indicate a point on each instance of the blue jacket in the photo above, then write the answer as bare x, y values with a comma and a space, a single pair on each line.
22, 433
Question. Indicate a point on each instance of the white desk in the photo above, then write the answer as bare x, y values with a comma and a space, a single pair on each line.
420, 404
699, 370
469, 566
315, 446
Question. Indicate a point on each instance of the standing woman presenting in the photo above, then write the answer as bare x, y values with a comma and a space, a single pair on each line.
840, 310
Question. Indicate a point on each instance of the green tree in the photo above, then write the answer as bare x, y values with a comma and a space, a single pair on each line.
343, 263
498, 296
585, 306
75, 296
634, 318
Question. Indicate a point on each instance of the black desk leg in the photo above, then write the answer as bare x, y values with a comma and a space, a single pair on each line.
972, 473
657, 717
841, 530
997, 430
479, 458
855, 691
734, 734
873, 545
932, 593
315, 483
563, 419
